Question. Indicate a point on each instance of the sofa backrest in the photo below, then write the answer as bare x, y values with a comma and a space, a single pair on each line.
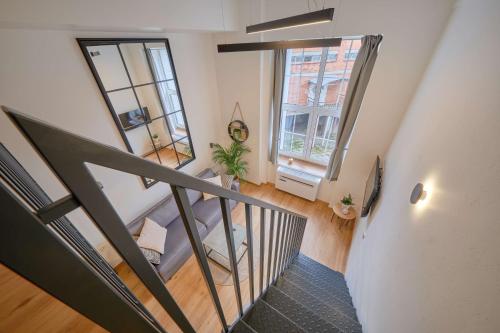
166, 211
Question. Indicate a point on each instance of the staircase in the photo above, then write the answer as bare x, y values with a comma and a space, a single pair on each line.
308, 297
296, 294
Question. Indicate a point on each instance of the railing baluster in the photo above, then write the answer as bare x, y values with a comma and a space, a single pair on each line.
288, 241
276, 245
228, 228
296, 240
286, 219
302, 232
292, 241
270, 248
188, 218
248, 218
261, 244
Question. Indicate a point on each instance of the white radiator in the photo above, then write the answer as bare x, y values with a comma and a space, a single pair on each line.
297, 182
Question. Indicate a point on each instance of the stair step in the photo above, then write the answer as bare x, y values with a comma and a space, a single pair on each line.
322, 279
326, 293
341, 316
297, 313
263, 318
242, 327
317, 268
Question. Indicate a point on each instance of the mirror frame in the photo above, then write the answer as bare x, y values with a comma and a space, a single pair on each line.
85, 42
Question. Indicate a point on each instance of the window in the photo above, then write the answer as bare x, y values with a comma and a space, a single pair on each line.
332, 56
314, 87
350, 54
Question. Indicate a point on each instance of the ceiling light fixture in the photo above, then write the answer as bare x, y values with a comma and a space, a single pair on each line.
282, 44
320, 16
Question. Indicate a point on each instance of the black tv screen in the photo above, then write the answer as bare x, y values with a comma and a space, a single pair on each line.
134, 118
372, 187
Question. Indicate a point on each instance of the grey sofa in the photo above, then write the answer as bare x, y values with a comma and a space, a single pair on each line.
165, 213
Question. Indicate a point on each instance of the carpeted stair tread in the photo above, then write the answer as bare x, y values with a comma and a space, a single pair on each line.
321, 279
314, 266
242, 327
330, 311
326, 294
299, 314
263, 318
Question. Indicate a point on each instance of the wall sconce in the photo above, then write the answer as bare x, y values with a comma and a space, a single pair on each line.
418, 193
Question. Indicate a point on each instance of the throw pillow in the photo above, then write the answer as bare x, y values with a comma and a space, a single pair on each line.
151, 255
152, 236
214, 180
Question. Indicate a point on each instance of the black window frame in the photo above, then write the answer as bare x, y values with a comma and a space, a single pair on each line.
86, 42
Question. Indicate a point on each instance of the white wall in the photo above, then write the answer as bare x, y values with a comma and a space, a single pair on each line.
120, 15
43, 73
435, 267
411, 30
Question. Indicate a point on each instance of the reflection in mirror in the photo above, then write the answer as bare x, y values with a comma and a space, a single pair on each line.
137, 79
136, 62
107, 62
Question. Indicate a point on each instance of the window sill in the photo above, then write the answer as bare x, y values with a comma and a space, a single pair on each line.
305, 166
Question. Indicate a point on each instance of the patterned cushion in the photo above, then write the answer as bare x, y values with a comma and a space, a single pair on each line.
151, 255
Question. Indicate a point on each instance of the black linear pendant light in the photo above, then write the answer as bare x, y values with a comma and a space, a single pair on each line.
319, 16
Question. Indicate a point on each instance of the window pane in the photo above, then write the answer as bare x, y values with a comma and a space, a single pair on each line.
301, 76
301, 121
289, 123
298, 143
322, 150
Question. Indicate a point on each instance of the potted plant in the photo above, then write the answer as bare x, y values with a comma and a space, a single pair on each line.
346, 203
156, 140
231, 160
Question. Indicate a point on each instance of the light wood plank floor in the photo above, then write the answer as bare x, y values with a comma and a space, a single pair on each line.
25, 308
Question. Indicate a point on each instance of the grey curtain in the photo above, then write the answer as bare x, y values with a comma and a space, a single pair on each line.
275, 116
360, 76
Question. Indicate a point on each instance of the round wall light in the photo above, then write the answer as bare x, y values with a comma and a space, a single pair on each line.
418, 193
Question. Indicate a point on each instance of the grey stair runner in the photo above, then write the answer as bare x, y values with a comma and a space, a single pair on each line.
321, 291
327, 311
242, 327
308, 297
321, 279
300, 315
263, 318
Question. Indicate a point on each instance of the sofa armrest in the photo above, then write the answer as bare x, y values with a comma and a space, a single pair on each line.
235, 186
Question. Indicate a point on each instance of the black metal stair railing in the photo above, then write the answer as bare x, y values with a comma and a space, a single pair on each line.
67, 154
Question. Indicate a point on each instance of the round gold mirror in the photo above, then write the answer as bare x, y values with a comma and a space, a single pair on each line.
238, 130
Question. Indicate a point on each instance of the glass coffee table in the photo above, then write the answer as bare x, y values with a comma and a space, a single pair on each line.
215, 245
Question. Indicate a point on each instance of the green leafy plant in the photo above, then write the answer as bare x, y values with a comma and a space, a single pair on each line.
231, 158
155, 136
347, 200
187, 151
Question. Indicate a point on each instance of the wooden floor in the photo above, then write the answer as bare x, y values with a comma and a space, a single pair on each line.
25, 308
167, 157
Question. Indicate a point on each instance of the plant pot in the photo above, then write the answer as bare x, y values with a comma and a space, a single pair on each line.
345, 209
227, 180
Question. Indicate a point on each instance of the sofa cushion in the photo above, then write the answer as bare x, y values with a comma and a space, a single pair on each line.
209, 212
177, 247
152, 236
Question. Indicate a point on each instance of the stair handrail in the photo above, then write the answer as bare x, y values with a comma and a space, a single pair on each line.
68, 154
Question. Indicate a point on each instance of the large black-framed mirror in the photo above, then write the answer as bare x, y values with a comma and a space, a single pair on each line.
138, 81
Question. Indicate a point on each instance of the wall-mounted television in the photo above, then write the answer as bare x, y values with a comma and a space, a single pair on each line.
372, 188
134, 118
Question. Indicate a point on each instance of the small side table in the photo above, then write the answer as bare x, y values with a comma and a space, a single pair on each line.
344, 219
